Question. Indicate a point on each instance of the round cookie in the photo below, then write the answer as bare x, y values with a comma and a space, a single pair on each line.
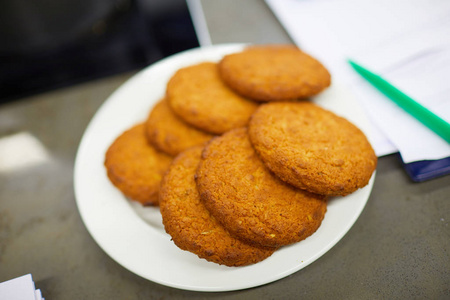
312, 148
189, 223
248, 200
135, 167
199, 97
166, 132
274, 73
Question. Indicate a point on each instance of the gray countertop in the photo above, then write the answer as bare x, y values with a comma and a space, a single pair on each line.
397, 249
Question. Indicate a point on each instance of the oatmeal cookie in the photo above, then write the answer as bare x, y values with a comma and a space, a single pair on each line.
190, 224
199, 97
274, 73
312, 148
135, 167
248, 200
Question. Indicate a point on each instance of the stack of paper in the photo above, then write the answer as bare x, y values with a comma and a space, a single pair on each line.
20, 288
406, 42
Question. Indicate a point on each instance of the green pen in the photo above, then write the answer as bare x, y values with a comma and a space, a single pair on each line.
421, 113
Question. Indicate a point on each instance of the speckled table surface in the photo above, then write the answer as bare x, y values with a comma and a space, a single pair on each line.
398, 248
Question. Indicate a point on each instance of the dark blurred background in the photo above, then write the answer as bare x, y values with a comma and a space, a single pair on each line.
48, 44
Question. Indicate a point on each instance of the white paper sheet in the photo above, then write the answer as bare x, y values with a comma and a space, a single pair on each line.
405, 41
20, 288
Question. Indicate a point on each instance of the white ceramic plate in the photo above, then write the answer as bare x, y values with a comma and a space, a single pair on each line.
134, 235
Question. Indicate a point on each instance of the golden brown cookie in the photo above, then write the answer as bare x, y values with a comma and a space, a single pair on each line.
189, 223
135, 167
312, 148
274, 73
199, 97
167, 133
248, 200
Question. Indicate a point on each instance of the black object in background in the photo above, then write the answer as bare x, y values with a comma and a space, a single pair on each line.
50, 44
